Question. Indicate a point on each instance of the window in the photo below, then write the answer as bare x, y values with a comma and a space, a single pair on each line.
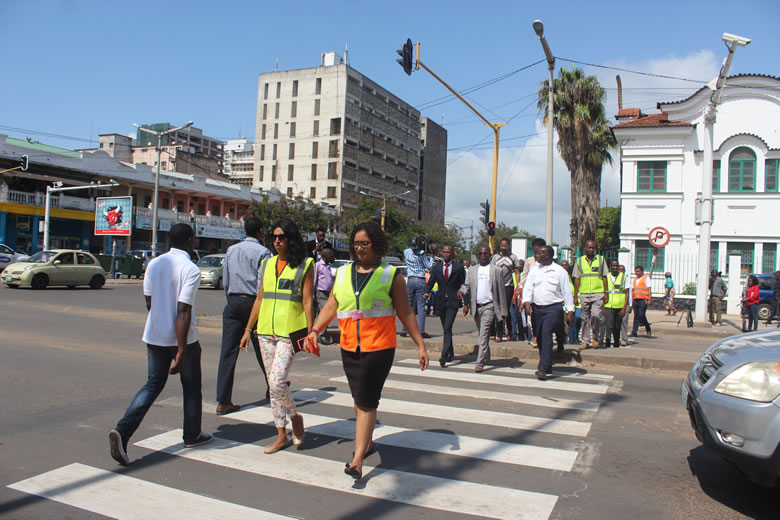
164, 204
147, 201
651, 176
265, 111
289, 193
331, 192
262, 131
714, 260
335, 126
273, 153
273, 173
333, 170
292, 151
260, 177
276, 111
292, 129
278, 89
85, 259
316, 130
290, 172
770, 178
276, 130
315, 148
312, 193
262, 152
769, 259
316, 107
746, 250
333, 149
648, 256
294, 109
314, 172
295, 88
265, 91
742, 170
715, 176
318, 86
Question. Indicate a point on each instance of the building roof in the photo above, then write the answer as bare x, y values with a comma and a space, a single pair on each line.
768, 76
651, 121
35, 145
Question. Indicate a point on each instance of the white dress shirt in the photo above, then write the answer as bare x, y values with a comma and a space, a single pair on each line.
548, 284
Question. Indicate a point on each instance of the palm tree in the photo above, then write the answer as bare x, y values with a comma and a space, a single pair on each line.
584, 141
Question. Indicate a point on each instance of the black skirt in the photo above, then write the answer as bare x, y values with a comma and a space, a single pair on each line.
366, 373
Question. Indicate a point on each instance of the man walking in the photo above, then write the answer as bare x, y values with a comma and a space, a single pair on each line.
530, 263
170, 283
546, 295
590, 285
640, 294
624, 324
242, 262
450, 276
417, 263
616, 305
484, 289
315, 247
509, 265
323, 283
718, 289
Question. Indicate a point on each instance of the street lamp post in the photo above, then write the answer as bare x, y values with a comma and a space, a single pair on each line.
539, 30
384, 204
155, 201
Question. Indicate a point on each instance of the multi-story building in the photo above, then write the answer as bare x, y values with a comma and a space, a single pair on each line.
433, 172
240, 161
186, 150
332, 135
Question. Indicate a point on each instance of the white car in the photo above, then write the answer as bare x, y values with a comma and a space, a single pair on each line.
8, 256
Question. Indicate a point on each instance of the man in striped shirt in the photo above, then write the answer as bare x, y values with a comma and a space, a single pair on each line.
417, 263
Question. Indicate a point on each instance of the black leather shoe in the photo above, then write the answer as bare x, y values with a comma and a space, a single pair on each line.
403, 334
649, 331
425, 335
541, 376
442, 363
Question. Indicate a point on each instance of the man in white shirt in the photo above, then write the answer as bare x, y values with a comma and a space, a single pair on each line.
546, 295
172, 346
530, 263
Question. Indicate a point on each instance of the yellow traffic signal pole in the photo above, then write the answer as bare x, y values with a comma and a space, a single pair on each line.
496, 127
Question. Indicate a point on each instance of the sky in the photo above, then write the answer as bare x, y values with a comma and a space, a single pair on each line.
75, 69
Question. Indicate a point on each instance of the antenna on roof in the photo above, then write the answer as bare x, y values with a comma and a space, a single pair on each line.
346, 53
276, 68
443, 122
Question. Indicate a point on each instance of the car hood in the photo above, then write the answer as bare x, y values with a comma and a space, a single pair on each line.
21, 265
745, 348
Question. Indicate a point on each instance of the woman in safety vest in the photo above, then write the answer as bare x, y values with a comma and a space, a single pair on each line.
366, 297
283, 306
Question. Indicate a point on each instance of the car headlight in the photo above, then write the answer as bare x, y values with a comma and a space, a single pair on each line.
757, 381
29, 267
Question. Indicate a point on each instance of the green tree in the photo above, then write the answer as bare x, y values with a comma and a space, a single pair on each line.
608, 232
584, 142
306, 214
502, 231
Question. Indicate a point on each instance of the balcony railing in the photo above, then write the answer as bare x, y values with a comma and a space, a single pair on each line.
176, 216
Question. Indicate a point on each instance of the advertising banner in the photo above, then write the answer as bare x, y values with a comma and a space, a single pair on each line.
114, 216
146, 223
220, 232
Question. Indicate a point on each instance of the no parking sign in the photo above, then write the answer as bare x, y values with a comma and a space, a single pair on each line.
659, 237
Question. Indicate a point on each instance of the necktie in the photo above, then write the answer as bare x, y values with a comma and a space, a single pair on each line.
446, 272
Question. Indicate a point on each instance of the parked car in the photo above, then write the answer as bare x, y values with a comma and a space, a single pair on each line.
143, 254
767, 291
211, 267
732, 395
67, 267
8, 256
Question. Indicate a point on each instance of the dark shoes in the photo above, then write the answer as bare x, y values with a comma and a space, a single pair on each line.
541, 376
224, 409
200, 440
649, 332
479, 368
118, 447
442, 363
425, 335
353, 472
403, 334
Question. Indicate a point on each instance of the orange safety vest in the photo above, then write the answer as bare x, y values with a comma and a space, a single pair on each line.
640, 291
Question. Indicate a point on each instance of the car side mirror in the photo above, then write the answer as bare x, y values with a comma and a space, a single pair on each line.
57, 262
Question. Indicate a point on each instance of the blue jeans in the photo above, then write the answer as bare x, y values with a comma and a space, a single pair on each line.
416, 288
159, 361
513, 322
752, 317
640, 316
574, 328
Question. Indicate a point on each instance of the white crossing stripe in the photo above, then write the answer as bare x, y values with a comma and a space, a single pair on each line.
502, 380
536, 400
509, 370
447, 443
450, 413
127, 498
409, 488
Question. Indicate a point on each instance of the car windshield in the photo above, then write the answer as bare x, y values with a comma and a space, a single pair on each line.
210, 261
41, 257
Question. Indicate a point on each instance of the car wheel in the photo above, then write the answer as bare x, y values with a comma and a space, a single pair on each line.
764, 311
218, 285
12, 286
39, 281
97, 282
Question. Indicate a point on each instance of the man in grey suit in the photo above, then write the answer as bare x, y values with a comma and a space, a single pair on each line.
484, 290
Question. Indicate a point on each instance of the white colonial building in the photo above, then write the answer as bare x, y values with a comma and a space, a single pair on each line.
661, 158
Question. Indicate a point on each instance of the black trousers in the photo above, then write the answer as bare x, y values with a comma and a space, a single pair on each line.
613, 324
447, 316
547, 320
234, 318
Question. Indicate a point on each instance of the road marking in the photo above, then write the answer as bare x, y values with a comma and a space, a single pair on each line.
509, 370
438, 442
451, 413
119, 496
536, 400
398, 486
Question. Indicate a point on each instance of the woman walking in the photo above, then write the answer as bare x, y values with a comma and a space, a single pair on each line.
752, 297
367, 295
669, 295
283, 306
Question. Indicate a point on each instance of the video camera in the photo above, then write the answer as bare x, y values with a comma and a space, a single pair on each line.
419, 245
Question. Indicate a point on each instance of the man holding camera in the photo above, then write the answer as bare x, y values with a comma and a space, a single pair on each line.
417, 263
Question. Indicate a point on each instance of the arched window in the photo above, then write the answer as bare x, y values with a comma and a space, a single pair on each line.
742, 170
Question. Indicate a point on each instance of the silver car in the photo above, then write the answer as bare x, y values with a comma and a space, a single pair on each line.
211, 267
733, 399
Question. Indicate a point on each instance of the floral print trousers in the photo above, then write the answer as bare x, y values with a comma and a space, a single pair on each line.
278, 357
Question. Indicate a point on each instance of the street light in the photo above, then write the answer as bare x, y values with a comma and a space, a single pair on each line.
539, 30
155, 202
384, 203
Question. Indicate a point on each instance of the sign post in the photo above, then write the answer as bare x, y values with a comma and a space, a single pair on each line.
659, 237
113, 217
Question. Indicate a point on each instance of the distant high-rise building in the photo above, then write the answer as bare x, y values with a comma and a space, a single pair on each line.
239, 160
433, 172
197, 152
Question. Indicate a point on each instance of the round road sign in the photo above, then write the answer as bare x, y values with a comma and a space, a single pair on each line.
659, 236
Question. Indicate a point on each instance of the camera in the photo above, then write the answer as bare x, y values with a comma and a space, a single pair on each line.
419, 245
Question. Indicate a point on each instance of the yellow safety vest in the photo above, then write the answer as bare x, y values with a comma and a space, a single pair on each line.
577, 303
281, 311
591, 281
617, 291
374, 328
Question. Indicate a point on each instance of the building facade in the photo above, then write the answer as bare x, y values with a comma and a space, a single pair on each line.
433, 172
240, 160
185, 150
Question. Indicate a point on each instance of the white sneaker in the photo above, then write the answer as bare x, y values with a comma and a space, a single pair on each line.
117, 445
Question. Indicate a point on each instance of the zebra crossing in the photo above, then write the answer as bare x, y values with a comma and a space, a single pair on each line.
536, 442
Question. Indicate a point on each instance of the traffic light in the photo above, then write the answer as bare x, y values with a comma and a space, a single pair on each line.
491, 228
405, 53
485, 212
25, 162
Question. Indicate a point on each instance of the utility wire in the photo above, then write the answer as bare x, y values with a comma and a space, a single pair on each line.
632, 71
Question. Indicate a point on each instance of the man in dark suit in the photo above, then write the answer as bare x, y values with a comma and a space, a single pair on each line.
315, 247
450, 276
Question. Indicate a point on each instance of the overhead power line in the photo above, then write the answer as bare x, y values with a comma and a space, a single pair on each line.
701, 82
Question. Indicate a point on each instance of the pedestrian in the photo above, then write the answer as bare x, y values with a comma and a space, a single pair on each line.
170, 284
590, 285
367, 295
282, 308
669, 295
315, 246
431, 303
616, 305
449, 275
530, 263
323, 283
485, 292
547, 295
751, 300
239, 275
417, 263
718, 291
640, 294
629, 310
574, 328
509, 265
519, 320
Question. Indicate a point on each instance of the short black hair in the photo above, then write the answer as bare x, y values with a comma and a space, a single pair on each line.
375, 235
538, 241
252, 226
549, 250
297, 252
180, 234
505, 239
320, 229
640, 268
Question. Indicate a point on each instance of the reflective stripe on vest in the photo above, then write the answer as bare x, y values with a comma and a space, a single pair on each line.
617, 295
281, 311
375, 330
577, 303
640, 292
590, 280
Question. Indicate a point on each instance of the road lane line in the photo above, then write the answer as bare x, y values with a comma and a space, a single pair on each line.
398, 486
509, 370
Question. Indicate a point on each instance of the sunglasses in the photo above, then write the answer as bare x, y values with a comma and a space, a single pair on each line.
279, 237
362, 243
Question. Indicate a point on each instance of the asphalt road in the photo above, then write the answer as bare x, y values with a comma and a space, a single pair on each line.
596, 443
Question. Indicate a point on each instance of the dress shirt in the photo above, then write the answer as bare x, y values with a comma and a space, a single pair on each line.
484, 293
548, 284
323, 280
416, 265
242, 264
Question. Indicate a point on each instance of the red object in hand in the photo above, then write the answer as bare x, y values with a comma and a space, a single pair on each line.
313, 347
753, 295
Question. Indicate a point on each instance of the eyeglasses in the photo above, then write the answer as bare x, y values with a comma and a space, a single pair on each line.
363, 243
279, 237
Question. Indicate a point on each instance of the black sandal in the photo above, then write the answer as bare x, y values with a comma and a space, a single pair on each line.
353, 472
